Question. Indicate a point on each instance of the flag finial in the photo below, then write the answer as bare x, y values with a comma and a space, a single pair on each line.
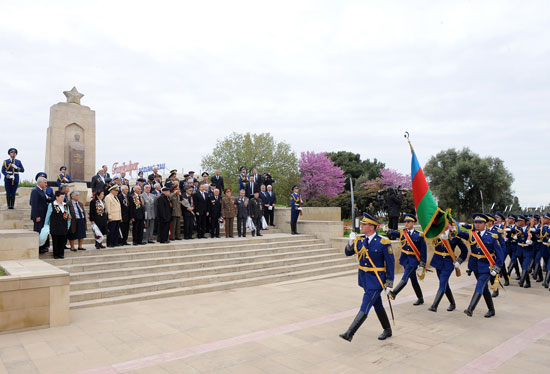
407, 136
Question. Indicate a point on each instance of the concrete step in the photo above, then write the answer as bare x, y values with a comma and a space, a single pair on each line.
232, 278
325, 272
207, 268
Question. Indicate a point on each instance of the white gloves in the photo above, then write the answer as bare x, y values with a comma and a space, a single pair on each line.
528, 242
443, 236
508, 229
385, 228
457, 265
493, 273
299, 208
15, 167
419, 271
387, 290
352, 237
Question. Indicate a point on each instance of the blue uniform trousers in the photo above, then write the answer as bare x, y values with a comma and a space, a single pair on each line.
482, 282
528, 255
372, 298
11, 189
294, 214
444, 275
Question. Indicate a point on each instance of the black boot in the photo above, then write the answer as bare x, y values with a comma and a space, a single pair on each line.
527, 282
490, 305
437, 300
504, 274
357, 322
524, 276
538, 273
473, 303
292, 229
495, 293
451, 298
546, 280
385, 322
418, 292
397, 289
8, 201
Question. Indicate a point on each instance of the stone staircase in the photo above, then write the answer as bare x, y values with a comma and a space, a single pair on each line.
133, 273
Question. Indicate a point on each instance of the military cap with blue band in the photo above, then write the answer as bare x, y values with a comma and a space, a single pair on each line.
409, 217
479, 217
490, 217
498, 214
368, 219
12, 150
62, 167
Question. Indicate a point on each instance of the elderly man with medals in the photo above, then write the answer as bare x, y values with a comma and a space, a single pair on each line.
485, 261
376, 269
413, 257
444, 261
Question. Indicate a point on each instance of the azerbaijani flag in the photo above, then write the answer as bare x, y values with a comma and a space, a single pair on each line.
433, 220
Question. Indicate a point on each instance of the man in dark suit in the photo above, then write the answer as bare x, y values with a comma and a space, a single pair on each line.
164, 215
255, 210
39, 201
251, 187
257, 177
215, 211
137, 215
272, 201
242, 213
217, 179
201, 209
265, 201
98, 181
188, 214
125, 213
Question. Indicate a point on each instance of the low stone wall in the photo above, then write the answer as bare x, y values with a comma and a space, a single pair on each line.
309, 214
33, 294
324, 230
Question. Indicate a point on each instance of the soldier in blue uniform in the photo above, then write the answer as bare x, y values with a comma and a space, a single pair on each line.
501, 226
527, 251
513, 235
540, 235
493, 229
546, 249
11, 169
412, 259
242, 178
63, 177
479, 264
442, 261
376, 269
295, 209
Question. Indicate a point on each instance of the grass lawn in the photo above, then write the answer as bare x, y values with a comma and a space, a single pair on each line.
2, 272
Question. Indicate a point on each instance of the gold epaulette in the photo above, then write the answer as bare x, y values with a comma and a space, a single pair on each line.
500, 231
421, 234
494, 236
384, 240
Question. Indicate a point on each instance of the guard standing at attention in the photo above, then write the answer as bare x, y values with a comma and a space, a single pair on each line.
485, 261
413, 257
11, 169
444, 261
242, 178
376, 269
63, 177
296, 203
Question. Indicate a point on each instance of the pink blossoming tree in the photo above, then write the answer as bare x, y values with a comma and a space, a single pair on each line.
319, 175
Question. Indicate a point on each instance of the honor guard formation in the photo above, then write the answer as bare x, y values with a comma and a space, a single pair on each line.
489, 242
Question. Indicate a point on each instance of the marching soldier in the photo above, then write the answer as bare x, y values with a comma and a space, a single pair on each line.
63, 177
413, 257
485, 261
445, 261
541, 234
295, 209
491, 227
501, 225
546, 249
376, 270
513, 235
527, 250
11, 169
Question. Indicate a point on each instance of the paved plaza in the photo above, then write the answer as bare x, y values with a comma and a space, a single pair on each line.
291, 328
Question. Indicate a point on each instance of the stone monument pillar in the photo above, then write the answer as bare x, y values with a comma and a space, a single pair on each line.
71, 139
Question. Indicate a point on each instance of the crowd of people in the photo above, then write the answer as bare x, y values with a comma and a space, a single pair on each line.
171, 209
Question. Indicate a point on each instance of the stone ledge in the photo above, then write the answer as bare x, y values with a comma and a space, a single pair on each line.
18, 244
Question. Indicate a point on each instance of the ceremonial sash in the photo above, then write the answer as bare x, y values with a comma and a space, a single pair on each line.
411, 244
375, 271
483, 248
447, 245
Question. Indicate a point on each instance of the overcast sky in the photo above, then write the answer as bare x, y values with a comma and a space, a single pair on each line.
167, 79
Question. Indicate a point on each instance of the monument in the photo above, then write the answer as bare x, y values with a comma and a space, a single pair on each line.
71, 139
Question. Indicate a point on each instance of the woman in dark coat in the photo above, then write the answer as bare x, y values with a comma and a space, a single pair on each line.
98, 215
77, 230
58, 218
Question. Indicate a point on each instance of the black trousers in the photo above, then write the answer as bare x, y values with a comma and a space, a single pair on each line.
392, 224
188, 222
164, 231
137, 231
201, 224
258, 223
269, 216
214, 227
124, 229
59, 242
113, 234
241, 226
103, 229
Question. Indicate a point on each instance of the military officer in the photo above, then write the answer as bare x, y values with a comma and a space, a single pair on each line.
63, 177
485, 261
242, 178
527, 249
546, 249
541, 234
413, 257
492, 228
444, 261
513, 235
296, 203
375, 274
501, 225
11, 169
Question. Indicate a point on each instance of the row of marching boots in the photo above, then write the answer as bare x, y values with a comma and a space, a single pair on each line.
534, 271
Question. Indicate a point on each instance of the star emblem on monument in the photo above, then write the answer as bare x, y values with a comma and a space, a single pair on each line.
73, 96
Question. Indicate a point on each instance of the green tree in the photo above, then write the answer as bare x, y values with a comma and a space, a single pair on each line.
459, 178
258, 151
354, 167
